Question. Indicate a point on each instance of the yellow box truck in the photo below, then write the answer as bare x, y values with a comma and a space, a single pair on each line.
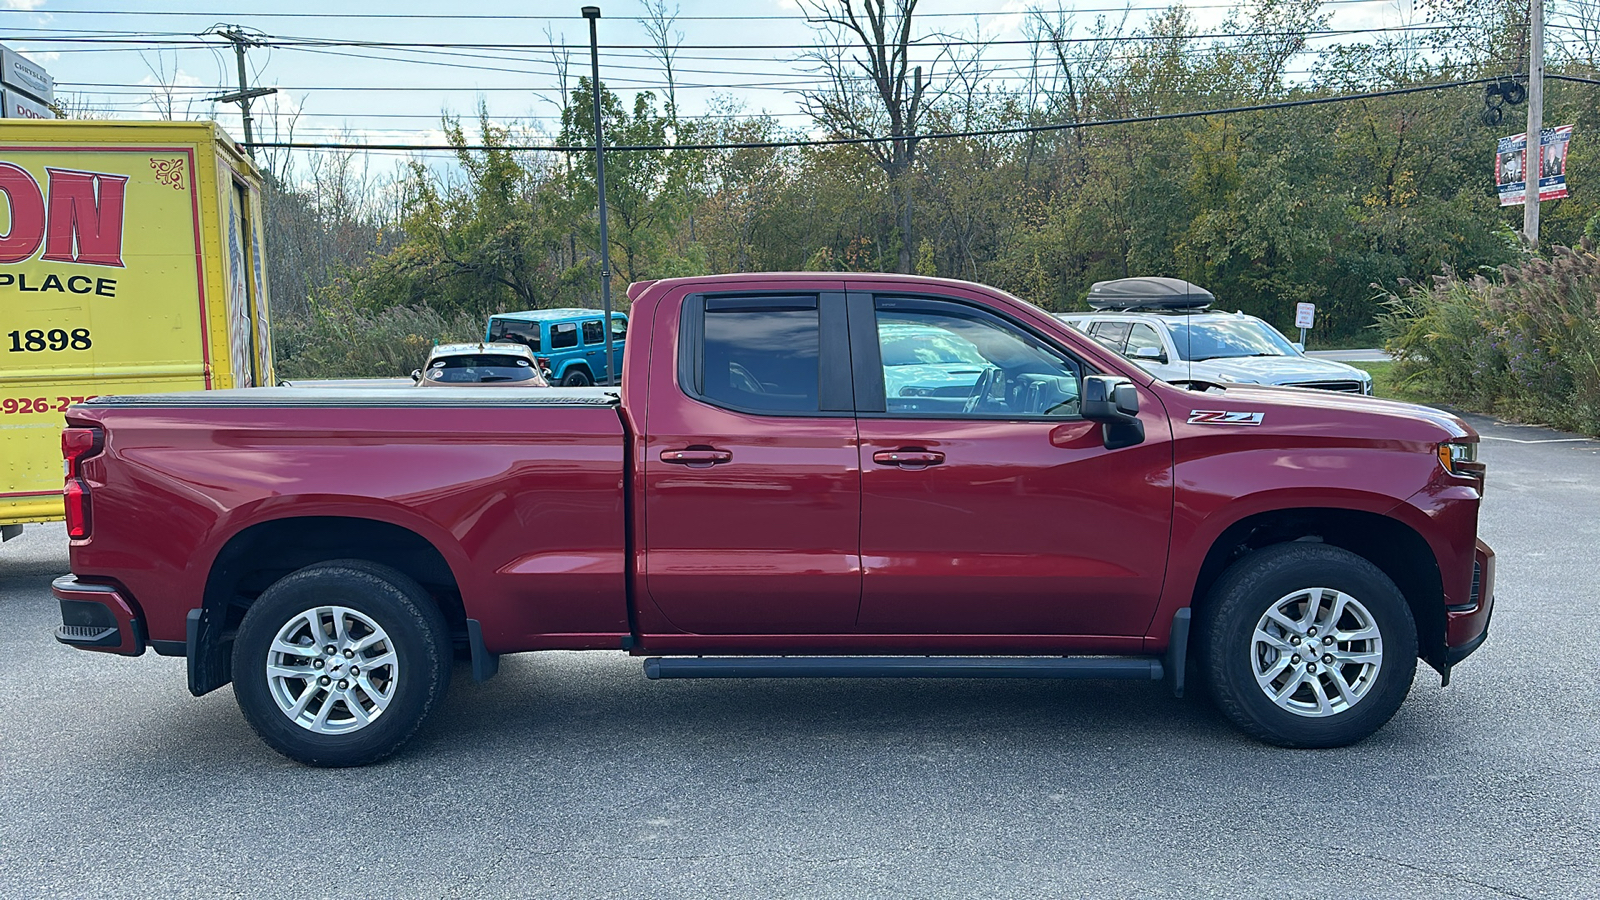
130, 262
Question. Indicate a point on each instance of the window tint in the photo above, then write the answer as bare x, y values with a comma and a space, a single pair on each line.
563, 334
619, 329
761, 358
945, 359
592, 333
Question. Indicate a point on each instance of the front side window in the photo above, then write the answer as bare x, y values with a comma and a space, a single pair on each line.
762, 358
1112, 334
1142, 340
563, 335
945, 359
592, 333
619, 329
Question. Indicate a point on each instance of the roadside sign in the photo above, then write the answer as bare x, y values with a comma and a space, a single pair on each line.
21, 73
1304, 314
20, 106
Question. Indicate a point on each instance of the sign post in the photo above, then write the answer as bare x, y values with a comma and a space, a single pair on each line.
1304, 315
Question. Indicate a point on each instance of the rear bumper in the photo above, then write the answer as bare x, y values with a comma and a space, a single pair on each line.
1467, 624
97, 617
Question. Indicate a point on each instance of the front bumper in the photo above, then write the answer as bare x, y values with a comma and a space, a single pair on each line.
1467, 624
97, 617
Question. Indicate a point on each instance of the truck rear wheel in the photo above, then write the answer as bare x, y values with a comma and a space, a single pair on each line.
1307, 645
339, 663
577, 377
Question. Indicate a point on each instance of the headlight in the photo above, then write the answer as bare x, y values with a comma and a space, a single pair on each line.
1461, 459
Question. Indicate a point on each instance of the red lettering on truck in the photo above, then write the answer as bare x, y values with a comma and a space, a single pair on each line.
81, 223
27, 213
85, 224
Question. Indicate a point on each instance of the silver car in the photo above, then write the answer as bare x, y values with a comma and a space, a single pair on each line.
1178, 344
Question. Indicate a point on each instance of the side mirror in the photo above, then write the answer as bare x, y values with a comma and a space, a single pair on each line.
416, 376
1154, 354
1298, 347
1113, 402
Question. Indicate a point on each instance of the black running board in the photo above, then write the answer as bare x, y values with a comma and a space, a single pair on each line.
1136, 668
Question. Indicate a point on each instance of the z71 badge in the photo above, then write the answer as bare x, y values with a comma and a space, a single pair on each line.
1223, 417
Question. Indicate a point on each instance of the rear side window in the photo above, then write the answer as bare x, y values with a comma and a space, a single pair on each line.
592, 332
563, 334
759, 355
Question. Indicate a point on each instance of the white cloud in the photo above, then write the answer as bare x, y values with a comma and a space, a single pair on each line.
24, 4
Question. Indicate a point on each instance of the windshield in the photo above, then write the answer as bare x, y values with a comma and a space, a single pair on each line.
526, 333
1226, 339
480, 369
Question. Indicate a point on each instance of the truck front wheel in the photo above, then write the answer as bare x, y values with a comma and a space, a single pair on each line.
1307, 645
338, 664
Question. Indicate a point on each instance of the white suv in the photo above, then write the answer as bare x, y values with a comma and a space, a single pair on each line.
1155, 323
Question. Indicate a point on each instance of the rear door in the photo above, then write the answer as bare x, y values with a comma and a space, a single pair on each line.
752, 475
989, 506
594, 349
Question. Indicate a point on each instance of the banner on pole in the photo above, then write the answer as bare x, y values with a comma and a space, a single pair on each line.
1510, 162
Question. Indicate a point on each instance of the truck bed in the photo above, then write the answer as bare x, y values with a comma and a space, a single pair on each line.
521, 490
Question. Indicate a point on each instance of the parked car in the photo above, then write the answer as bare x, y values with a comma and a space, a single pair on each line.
498, 364
568, 342
1164, 325
762, 498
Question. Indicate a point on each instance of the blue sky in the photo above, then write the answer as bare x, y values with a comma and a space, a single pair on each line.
332, 88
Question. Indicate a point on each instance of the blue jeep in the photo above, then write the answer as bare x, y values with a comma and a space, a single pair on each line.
568, 342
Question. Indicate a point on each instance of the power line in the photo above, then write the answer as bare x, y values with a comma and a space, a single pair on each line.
920, 44
527, 18
824, 142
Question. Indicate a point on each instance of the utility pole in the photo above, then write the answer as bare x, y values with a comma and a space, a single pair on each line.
1533, 156
592, 13
236, 35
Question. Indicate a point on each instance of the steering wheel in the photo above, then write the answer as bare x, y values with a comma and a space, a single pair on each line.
979, 389
740, 378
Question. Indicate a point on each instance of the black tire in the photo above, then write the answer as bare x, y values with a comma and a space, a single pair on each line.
576, 377
1304, 714
411, 630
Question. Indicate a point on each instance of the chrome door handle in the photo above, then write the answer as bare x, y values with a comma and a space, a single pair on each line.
908, 459
696, 457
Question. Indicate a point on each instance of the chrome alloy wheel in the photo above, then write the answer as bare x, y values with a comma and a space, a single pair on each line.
1317, 652
332, 670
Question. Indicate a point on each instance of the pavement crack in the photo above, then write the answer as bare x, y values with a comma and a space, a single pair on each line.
1437, 874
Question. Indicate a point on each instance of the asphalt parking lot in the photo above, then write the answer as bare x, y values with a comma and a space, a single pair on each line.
571, 775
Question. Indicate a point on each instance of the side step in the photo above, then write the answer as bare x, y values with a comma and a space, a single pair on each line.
1085, 667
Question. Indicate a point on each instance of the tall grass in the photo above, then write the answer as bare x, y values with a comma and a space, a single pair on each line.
1524, 343
342, 342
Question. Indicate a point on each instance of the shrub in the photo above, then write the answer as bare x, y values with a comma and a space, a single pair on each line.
1524, 344
343, 342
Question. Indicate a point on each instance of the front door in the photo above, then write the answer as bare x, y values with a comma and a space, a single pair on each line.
989, 506
752, 477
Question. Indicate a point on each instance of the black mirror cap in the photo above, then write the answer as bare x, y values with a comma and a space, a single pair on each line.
1113, 401
416, 376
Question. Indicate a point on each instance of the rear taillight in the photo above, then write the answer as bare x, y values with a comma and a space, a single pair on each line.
77, 445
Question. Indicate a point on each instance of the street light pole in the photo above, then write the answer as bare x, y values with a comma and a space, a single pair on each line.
592, 13
1533, 156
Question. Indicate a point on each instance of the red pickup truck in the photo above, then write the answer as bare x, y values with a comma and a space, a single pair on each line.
806, 475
